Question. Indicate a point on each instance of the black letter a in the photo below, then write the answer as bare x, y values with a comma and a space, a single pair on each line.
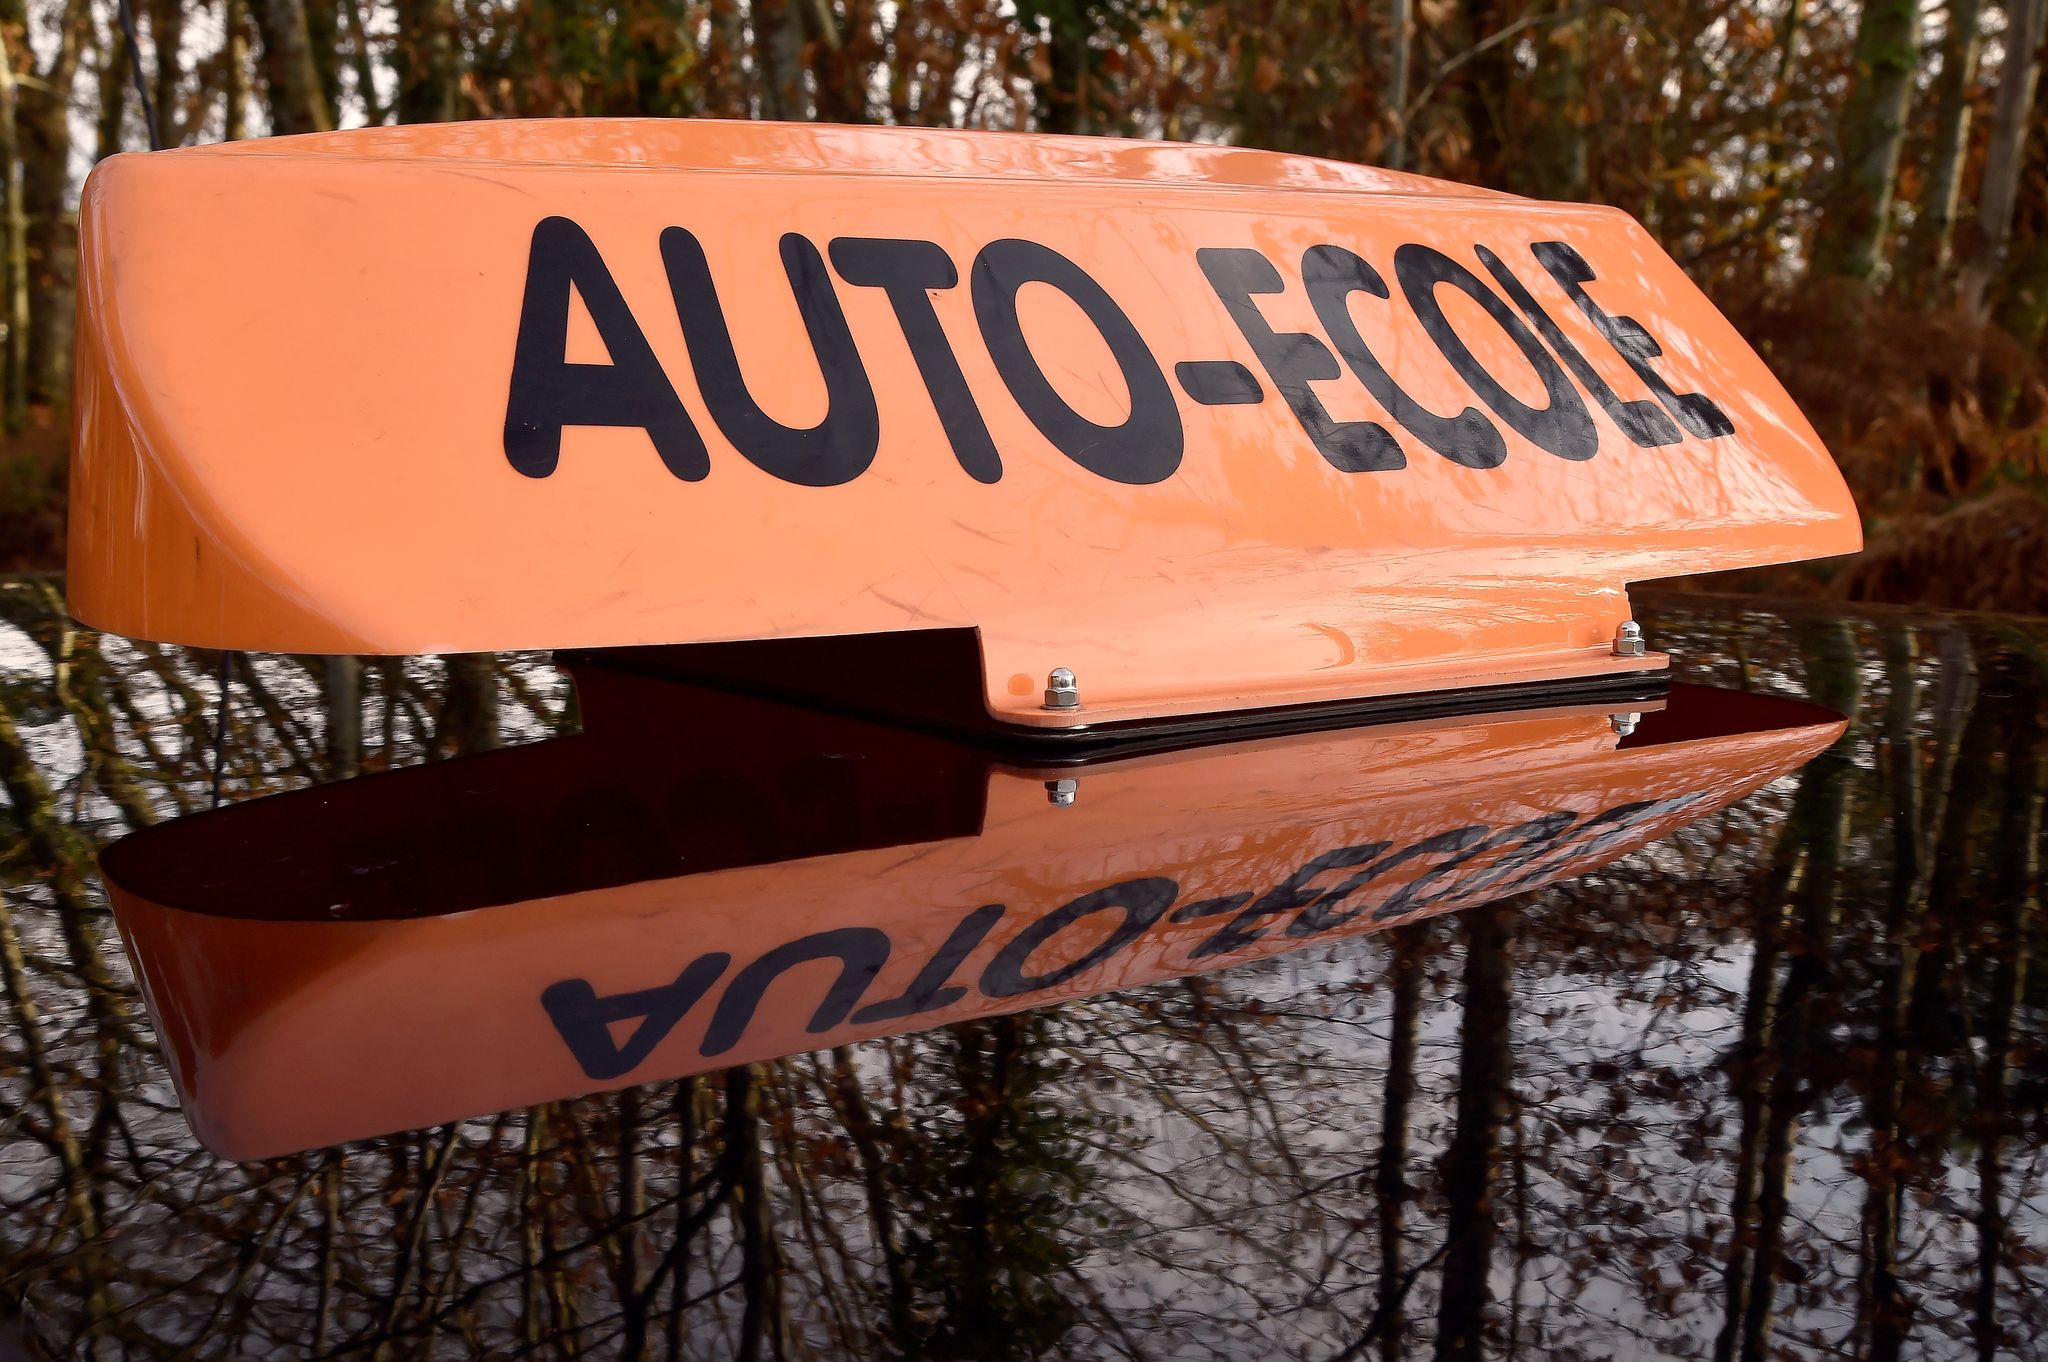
549, 393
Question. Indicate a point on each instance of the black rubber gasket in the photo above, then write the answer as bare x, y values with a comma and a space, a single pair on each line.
1132, 737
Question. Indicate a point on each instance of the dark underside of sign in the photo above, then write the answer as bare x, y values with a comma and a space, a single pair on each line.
930, 681
754, 781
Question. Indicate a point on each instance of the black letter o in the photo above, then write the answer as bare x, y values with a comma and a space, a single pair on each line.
1146, 448
1565, 427
1142, 902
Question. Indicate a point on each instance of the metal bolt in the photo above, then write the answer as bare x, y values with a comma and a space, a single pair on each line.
1060, 692
1062, 792
1625, 724
1628, 640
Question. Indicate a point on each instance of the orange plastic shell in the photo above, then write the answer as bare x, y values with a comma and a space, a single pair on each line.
285, 1034
296, 374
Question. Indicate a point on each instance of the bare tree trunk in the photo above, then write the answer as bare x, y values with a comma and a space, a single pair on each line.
1485, 85
1550, 158
1932, 1009
1998, 194
1927, 250
341, 684
778, 55
1060, 83
2023, 310
424, 58
725, 82
291, 82
1781, 84
360, 61
323, 43
761, 1319
1749, 1076
43, 125
1485, 1069
167, 36
1400, 56
841, 59
1857, 210
1390, 1178
1832, 669
1888, 1309
235, 84
1768, 1070
866, 1134
469, 709
16, 226
29, 797
113, 92
2016, 890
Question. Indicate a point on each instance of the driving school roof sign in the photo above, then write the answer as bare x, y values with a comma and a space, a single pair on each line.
1213, 428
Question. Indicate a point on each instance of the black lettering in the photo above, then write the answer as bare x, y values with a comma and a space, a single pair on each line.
1620, 823
907, 271
1219, 382
930, 991
1332, 274
1292, 359
1695, 411
1543, 834
549, 393
584, 1020
1141, 902
1147, 447
1296, 891
1564, 427
1317, 917
861, 951
841, 446
1534, 836
1643, 421
1216, 907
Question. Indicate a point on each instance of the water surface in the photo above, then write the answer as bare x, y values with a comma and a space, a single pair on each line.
1771, 1086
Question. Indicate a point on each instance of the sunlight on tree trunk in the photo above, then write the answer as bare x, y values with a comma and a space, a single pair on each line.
43, 127
2005, 157
1926, 259
291, 82
14, 218
235, 84
1400, 42
1857, 212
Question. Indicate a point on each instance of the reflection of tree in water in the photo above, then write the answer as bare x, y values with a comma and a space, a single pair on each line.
1775, 1084
991, 1183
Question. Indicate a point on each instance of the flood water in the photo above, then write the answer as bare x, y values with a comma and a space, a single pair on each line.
1771, 1085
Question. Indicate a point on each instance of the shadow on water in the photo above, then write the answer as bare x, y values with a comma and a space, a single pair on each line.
1771, 1083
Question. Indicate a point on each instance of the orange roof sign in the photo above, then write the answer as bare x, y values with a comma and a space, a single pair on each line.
1212, 428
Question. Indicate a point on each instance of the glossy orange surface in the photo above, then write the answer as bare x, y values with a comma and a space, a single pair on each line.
319, 382
514, 928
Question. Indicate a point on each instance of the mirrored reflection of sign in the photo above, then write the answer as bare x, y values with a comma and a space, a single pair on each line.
718, 879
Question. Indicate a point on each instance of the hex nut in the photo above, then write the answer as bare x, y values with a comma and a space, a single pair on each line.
1060, 690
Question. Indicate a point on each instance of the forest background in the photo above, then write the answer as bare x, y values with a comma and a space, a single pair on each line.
1862, 188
